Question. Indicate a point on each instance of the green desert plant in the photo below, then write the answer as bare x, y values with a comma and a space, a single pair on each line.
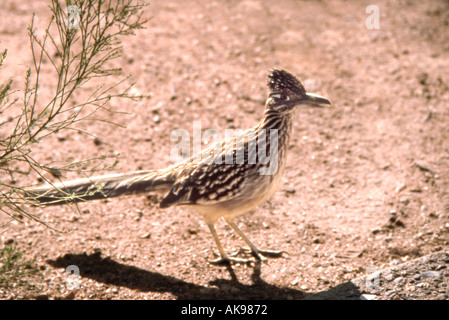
14, 267
78, 44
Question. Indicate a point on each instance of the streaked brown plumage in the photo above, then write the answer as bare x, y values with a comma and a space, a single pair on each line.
225, 180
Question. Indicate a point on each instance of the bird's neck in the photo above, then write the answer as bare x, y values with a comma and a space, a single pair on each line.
282, 122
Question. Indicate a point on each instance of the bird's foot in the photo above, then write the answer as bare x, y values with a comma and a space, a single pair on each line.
262, 255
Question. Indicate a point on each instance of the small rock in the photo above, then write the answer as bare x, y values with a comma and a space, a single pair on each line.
145, 236
441, 266
398, 280
433, 215
159, 105
295, 282
399, 223
424, 166
420, 285
368, 297
389, 277
390, 293
192, 231
431, 275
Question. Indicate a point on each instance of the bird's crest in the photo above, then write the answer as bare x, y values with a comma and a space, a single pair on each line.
280, 81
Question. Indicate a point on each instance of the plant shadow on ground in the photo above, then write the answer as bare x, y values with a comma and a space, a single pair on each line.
108, 271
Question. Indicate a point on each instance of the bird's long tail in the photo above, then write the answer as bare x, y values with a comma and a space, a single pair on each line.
101, 187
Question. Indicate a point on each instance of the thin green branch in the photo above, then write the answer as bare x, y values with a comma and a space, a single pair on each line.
77, 56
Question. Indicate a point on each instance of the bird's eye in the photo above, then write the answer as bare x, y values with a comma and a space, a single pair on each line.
281, 96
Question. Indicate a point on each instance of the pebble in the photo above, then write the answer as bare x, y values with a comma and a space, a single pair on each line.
368, 297
390, 293
424, 166
431, 274
145, 236
420, 285
398, 280
389, 277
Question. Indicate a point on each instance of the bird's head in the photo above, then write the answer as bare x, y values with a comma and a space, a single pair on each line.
286, 92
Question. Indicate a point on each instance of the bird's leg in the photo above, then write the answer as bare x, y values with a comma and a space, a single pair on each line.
259, 254
224, 258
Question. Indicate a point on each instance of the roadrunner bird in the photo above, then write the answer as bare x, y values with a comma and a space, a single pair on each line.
226, 179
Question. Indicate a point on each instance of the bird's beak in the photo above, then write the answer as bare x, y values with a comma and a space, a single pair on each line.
315, 100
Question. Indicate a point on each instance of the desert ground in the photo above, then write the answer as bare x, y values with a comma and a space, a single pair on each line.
366, 183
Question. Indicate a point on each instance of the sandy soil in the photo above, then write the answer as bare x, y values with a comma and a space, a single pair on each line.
366, 183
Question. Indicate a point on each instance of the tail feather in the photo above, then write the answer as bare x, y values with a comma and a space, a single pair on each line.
101, 187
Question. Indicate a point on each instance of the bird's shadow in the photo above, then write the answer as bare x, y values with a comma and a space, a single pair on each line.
108, 271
